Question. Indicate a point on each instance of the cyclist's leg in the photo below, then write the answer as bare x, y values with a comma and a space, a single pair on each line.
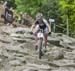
35, 31
45, 37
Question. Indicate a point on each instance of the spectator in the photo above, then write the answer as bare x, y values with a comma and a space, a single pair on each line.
4, 8
9, 16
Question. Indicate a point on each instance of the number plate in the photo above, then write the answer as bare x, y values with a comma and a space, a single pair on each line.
40, 35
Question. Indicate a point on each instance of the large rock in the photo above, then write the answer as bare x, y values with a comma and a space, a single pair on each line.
64, 69
10, 30
56, 53
30, 69
21, 40
41, 67
66, 45
5, 39
8, 55
70, 55
64, 63
16, 48
17, 35
0, 60
15, 62
54, 41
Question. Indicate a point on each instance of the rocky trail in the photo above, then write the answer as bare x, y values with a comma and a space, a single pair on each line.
17, 52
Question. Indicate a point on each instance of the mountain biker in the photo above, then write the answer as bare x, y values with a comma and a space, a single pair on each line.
41, 23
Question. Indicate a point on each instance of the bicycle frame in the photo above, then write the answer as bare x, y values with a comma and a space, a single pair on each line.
40, 36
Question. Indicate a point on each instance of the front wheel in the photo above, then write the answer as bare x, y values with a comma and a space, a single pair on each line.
40, 47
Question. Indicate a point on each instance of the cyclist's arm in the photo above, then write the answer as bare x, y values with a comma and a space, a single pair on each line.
32, 27
48, 25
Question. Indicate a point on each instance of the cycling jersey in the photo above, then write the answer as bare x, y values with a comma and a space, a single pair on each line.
42, 25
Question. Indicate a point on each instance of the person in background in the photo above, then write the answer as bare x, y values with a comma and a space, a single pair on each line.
4, 7
9, 16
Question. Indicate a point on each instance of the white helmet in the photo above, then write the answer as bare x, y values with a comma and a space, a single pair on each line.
39, 16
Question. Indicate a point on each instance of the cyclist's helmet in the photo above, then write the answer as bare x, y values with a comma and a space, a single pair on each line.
39, 16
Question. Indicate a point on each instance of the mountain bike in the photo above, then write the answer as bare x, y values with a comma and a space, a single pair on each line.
40, 36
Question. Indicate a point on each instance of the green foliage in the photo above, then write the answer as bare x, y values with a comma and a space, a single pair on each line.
68, 8
57, 9
11, 3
